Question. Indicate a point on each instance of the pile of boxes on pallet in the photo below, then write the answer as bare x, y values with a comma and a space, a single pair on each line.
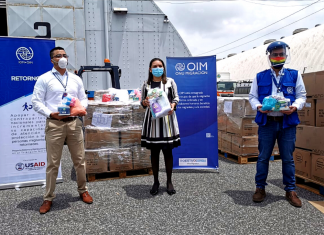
309, 153
237, 130
113, 136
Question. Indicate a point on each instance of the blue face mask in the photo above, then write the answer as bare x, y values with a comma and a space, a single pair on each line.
157, 72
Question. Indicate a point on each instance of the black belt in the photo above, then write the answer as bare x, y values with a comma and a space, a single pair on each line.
275, 118
67, 119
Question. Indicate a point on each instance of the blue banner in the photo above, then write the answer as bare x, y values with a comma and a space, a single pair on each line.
196, 112
22, 138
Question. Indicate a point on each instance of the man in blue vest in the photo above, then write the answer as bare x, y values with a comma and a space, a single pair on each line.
280, 126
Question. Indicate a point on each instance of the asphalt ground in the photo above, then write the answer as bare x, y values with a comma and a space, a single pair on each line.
206, 202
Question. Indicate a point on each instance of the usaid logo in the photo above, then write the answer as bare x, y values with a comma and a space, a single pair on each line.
31, 166
191, 68
20, 166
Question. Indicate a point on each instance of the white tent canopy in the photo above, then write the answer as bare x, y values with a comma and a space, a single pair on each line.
307, 55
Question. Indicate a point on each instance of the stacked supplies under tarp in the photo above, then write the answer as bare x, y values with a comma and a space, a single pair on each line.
113, 134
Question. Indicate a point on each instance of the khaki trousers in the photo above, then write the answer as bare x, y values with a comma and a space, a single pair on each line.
56, 133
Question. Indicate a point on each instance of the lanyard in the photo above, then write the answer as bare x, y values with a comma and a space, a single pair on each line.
278, 85
67, 78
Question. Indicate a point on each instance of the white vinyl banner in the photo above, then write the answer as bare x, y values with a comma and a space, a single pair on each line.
23, 157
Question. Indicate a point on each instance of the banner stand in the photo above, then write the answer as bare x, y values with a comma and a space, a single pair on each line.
23, 157
196, 112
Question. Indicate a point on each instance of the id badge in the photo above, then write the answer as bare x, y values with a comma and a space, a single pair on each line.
280, 94
64, 95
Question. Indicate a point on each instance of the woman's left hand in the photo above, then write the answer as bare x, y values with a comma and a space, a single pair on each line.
172, 109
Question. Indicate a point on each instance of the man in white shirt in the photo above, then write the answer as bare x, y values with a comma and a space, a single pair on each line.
48, 92
280, 126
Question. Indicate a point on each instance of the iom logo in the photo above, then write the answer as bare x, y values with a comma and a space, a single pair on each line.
191, 68
24, 53
180, 66
290, 90
20, 166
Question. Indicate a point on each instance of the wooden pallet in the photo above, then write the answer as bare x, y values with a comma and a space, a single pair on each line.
244, 159
119, 175
310, 185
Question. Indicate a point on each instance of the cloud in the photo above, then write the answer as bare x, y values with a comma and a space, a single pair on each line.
205, 26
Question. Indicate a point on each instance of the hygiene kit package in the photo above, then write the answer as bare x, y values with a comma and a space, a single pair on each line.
159, 103
275, 103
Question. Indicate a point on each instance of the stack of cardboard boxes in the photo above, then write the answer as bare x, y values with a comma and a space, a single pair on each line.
309, 153
237, 130
113, 137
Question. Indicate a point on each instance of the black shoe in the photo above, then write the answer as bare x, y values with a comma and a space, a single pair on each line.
155, 189
170, 192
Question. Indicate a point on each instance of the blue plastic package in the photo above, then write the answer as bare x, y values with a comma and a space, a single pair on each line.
269, 104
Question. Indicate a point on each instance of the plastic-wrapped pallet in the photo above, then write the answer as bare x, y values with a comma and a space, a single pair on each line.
242, 126
114, 95
120, 159
245, 145
236, 116
141, 157
96, 161
221, 115
109, 115
92, 106
130, 136
138, 113
96, 137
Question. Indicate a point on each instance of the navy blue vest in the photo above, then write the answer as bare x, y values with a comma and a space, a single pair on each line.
264, 80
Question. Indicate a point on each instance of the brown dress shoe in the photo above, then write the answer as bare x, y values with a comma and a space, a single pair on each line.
259, 195
293, 199
86, 197
46, 206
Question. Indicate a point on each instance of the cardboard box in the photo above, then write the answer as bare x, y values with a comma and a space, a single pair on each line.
227, 142
141, 157
120, 159
309, 80
320, 113
130, 137
245, 145
242, 126
96, 161
309, 137
303, 162
318, 168
117, 121
96, 138
220, 140
221, 122
114, 108
275, 150
314, 84
241, 107
307, 114
138, 113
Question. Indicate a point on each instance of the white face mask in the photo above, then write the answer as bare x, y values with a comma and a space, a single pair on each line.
62, 63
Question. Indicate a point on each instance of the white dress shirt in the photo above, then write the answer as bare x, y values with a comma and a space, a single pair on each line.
300, 93
48, 91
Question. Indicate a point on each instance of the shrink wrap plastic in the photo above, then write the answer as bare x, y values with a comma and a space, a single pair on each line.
235, 115
113, 136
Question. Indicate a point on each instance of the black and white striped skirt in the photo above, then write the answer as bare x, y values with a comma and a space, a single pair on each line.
160, 133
